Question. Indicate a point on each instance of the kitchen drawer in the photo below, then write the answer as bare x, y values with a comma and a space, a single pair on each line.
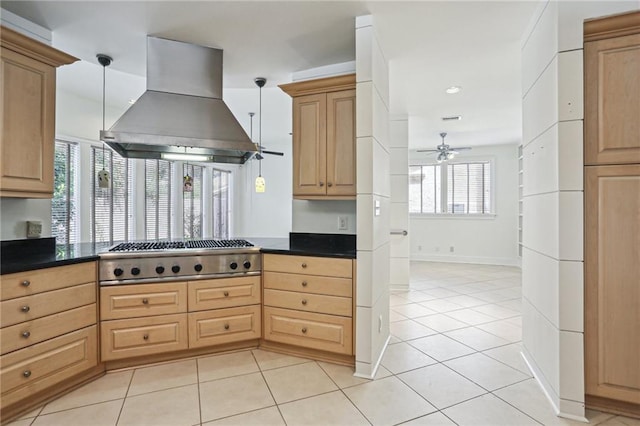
223, 293
27, 308
224, 326
40, 366
143, 336
142, 300
23, 284
31, 332
317, 331
309, 284
331, 305
311, 265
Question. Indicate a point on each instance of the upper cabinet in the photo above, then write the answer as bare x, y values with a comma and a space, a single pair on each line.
324, 138
612, 90
27, 132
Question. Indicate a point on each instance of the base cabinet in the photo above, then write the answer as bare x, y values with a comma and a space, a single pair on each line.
224, 326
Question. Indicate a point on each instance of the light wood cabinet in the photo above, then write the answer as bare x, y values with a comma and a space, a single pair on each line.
28, 76
300, 311
48, 334
219, 326
324, 135
142, 300
612, 213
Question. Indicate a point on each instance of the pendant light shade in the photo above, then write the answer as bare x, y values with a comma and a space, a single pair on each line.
104, 179
260, 182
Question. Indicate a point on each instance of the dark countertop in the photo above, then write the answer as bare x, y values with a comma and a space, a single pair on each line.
29, 255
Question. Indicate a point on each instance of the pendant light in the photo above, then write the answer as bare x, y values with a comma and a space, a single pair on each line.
260, 183
104, 180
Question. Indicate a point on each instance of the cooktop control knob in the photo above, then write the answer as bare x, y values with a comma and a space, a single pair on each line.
159, 270
175, 269
135, 271
198, 267
117, 272
233, 265
246, 264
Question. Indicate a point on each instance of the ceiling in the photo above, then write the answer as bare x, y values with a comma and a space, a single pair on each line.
430, 45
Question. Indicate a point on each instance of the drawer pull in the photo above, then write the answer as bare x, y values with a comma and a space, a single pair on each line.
226, 294
304, 330
304, 265
26, 283
145, 301
329, 184
26, 373
145, 337
321, 183
25, 309
304, 283
226, 326
26, 334
304, 301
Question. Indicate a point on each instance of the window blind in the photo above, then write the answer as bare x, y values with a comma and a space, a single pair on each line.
192, 202
157, 185
64, 204
221, 204
111, 208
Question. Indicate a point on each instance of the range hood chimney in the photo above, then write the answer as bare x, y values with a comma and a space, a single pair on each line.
182, 111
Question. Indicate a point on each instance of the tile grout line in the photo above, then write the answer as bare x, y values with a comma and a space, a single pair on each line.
268, 388
124, 400
199, 395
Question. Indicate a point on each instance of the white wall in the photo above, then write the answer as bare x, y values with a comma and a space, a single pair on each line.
373, 177
399, 217
488, 240
552, 259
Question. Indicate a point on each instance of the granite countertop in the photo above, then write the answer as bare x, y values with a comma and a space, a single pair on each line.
28, 255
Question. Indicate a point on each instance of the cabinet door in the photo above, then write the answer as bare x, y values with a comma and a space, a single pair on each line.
309, 145
341, 143
28, 123
612, 101
612, 282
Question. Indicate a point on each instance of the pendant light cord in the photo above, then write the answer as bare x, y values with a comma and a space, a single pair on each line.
260, 138
104, 76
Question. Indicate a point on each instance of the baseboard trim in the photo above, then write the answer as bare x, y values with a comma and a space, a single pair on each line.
503, 261
374, 370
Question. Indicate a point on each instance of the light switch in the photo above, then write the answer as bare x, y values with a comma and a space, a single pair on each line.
376, 207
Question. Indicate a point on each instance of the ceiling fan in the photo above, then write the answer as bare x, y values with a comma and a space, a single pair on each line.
445, 152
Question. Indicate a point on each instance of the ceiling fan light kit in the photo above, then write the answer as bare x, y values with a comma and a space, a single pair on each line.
444, 151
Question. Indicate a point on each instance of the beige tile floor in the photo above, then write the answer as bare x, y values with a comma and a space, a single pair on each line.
454, 358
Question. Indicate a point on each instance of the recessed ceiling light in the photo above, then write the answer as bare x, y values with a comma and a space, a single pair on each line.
452, 118
453, 89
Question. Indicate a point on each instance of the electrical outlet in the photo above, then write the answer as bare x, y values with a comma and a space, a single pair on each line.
451, 249
34, 229
343, 223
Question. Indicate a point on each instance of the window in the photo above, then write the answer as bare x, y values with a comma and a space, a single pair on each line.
192, 201
112, 207
157, 206
457, 188
221, 205
64, 221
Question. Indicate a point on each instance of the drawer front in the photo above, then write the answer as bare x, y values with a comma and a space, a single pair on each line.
142, 300
224, 326
28, 308
323, 332
223, 293
331, 305
23, 284
40, 366
143, 336
324, 266
309, 284
31, 332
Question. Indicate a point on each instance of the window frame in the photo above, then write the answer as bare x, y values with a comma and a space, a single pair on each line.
72, 193
444, 189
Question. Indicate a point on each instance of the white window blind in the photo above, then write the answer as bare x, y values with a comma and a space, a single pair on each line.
457, 188
64, 205
221, 204
192, 202
157, 186
111, 208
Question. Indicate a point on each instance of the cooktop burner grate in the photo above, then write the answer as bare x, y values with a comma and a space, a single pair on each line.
179, 245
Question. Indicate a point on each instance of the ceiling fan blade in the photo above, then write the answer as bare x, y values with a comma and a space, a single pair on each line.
281, 154
462, 148
427, 150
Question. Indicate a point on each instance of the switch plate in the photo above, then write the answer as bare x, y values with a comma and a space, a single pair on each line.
376, 207
343, 223
34, 229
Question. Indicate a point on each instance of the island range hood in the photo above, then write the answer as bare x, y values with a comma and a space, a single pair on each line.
181, 115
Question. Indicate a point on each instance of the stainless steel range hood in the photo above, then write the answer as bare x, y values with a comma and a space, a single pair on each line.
182, 111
